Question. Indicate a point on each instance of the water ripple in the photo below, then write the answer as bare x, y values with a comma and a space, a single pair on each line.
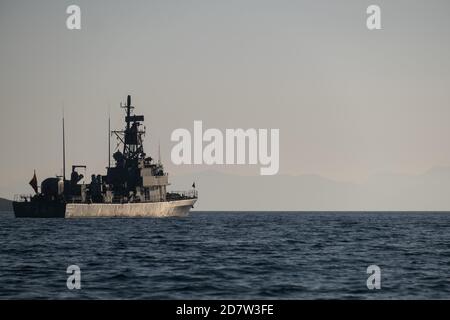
238, 255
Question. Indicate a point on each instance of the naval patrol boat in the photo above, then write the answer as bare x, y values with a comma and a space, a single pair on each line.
135, 186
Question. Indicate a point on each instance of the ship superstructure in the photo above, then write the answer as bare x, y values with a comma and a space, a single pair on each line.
136, 185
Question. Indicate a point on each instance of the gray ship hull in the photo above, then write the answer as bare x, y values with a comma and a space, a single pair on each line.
178, 208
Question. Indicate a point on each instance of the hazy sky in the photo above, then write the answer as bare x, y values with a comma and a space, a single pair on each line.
349, 102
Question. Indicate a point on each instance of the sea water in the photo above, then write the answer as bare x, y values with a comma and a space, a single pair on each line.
238, 255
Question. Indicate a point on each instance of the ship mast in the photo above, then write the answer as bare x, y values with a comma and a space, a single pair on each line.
109, 138
159, 152
127, 120
132, 140
126, 172
64, 148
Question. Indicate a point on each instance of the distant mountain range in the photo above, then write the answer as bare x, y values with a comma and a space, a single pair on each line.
429, 191
5, 205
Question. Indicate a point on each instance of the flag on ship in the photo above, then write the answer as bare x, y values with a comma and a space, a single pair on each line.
33, 182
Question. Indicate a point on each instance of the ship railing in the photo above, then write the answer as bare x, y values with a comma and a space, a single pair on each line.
179, 195
75, 199
22, 197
